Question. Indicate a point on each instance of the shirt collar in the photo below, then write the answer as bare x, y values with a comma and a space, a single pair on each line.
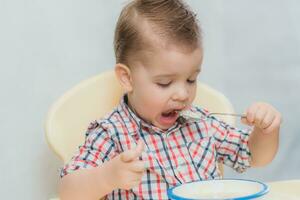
131, 120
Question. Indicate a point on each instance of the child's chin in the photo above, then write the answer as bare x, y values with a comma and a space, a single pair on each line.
165, 127
162, 126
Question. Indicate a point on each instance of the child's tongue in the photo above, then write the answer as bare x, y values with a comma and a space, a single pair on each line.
168, 118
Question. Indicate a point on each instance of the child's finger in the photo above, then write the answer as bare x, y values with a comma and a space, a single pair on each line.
138, 166
275, 124
133, 180
132, 154
250, 115
139, 148
259, 117
127, 156
268, 119
245, 121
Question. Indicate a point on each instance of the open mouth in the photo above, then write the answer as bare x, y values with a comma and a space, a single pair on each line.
168, 118
171, 113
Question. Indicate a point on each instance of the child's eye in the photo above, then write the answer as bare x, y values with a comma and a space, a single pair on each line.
163, 84
191, 81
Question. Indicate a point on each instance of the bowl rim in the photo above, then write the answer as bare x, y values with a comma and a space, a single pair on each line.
265, 189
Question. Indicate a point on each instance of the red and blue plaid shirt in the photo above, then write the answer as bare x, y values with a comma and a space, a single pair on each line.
188, 151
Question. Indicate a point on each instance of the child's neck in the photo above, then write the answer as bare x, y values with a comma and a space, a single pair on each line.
131, 107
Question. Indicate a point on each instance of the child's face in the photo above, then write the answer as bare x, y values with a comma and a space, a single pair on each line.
164, 83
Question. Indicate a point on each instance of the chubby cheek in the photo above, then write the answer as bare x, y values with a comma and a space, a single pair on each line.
192, 95
151, 100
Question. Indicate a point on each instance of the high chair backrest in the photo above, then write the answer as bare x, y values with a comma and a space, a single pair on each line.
70, 115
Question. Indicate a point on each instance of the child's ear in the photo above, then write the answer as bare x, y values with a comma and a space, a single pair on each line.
123, 74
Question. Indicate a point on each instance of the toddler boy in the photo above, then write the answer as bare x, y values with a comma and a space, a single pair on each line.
143, 147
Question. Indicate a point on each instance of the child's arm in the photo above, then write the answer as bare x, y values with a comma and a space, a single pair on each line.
85, 184
263, 142
124, 172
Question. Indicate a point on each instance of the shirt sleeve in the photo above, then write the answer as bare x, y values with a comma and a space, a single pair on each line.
97, 148
231, 145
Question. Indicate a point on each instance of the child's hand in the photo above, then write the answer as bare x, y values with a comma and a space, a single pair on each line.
263, 116
126, 170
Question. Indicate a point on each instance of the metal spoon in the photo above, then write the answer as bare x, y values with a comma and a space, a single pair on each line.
229, 114
196, 116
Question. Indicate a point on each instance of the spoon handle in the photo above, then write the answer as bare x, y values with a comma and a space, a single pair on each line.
229, 114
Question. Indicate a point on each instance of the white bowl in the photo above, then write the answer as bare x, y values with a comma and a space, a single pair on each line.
223, 189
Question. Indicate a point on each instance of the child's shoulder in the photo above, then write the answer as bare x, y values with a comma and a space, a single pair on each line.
109, 122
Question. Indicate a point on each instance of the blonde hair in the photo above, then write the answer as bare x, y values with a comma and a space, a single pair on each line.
170, 19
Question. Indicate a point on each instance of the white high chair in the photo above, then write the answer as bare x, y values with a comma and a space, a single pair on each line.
70, 115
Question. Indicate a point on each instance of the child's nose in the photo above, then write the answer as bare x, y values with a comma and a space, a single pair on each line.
181, 94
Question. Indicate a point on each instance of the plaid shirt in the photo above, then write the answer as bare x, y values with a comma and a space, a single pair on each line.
188, 151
